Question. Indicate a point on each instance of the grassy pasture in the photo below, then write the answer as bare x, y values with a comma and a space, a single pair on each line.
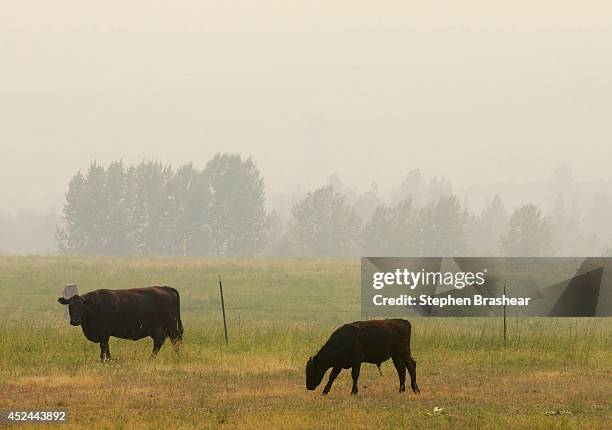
554, 373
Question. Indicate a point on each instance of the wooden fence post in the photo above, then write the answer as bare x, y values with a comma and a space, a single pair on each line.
223, 310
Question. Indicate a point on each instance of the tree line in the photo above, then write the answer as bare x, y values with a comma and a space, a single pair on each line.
220, 210
150, 208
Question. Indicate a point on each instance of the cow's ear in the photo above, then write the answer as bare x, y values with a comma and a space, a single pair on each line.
63, 301
315, 360
87, 302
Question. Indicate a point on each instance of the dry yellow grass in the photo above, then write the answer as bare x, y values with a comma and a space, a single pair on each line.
552, 373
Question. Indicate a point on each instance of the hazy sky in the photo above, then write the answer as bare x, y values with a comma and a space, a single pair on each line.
477, 91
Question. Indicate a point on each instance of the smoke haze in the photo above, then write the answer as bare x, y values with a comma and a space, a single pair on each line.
475, 92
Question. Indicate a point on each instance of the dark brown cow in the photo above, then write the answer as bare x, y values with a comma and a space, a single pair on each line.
359, 342
128, 314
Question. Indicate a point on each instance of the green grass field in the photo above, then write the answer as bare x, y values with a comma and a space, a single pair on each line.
553, 373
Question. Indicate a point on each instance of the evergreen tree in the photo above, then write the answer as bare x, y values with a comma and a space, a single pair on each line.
236, 210
85, 214
323, 225
367, 203
441, 226
392, 231
188, 200
413, 187
528, 233
149, 214
483, 233
71, 238
119, 240
495, 217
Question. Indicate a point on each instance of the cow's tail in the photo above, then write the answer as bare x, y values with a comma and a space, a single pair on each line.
408, 339
179, 327
179, 324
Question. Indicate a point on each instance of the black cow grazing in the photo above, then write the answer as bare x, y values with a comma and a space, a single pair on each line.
364, 342
128, 314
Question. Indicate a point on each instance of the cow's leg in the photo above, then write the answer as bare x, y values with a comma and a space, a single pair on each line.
176, 343
108, 354
398, 362
332, 377
157, 344
355, 374
159, 337
104, 350
411, 366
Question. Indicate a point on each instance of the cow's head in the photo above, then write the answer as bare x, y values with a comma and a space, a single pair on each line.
314, 373
77, 307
